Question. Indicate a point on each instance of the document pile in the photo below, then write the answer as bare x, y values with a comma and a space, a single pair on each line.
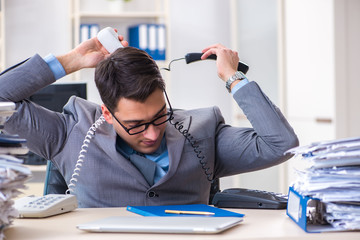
332, 176
12, 173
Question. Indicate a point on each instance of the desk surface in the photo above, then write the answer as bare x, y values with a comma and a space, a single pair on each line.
257, 224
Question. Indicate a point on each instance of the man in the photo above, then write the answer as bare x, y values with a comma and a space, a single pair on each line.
146, 153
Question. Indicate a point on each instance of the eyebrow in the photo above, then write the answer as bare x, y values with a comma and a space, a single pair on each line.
157, 114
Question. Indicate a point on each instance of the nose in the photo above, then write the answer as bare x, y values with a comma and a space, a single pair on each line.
152, 132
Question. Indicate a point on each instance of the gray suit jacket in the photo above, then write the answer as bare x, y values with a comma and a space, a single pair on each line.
107, 179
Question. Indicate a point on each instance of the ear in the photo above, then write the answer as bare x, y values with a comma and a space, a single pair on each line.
106, 113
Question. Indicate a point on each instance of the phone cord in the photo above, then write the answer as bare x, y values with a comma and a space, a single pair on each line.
185, 132
89, 135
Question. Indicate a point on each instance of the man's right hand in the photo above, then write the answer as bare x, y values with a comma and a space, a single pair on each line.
86, 55
226, 62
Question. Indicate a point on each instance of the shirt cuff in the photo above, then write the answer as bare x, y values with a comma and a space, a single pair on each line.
55, 66
239, 85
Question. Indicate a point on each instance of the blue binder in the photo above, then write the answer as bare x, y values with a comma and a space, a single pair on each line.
297, 210
160, 210
150, 38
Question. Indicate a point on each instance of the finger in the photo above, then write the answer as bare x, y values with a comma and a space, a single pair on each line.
208, 53
213, 46
125, 43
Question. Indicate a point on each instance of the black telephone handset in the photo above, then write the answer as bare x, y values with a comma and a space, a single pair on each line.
249, 198
192, 57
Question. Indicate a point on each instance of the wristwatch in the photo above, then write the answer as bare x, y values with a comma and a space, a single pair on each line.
237, 76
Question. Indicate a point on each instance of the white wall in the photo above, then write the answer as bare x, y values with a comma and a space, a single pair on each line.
35, 26
257, 42
347, 59
256, 31
194, 26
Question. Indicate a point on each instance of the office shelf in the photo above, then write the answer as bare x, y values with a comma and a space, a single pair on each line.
122, 15
99, 12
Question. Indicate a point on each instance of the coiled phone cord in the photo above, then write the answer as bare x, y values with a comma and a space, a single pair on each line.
89, 135
201, 157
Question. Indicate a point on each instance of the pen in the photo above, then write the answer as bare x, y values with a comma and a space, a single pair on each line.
189, 212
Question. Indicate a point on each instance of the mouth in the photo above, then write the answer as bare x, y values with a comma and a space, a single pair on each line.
149, 143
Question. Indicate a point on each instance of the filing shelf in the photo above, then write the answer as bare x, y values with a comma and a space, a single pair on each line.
136, 12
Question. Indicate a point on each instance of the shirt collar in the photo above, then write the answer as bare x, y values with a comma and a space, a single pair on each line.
124, 149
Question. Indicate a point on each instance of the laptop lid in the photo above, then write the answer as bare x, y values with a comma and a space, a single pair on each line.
161, 224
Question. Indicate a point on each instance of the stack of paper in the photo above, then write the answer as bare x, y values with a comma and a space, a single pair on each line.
12, 173
6, 110
332, 175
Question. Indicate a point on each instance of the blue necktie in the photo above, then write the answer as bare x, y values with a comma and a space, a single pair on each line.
145, 166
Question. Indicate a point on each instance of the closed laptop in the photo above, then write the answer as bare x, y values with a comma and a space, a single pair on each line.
161, 224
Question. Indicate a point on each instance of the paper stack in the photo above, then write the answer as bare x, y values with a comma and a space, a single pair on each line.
12, 173
332, 175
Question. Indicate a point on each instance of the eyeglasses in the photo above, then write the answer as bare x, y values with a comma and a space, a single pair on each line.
156, 122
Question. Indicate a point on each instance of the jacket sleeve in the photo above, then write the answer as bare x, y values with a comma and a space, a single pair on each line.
31, 121
23, 80
248, 149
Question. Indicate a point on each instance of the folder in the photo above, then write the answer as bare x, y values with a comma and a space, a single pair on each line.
160, 210
298, 211
138, 36
152, 50
84, 32
150, 38
161, 42
88, 31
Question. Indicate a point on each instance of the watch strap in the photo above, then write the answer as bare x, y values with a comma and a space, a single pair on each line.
237, 76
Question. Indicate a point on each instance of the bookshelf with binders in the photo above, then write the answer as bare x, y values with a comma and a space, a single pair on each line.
150, 38
90, 16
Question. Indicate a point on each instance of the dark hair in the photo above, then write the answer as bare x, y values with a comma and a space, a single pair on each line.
127, 73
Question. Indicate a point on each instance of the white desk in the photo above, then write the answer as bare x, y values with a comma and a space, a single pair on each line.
258, 224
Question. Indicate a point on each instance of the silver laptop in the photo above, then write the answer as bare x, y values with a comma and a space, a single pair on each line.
161, 224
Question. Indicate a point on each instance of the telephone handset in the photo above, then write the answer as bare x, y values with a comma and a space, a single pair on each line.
192, 57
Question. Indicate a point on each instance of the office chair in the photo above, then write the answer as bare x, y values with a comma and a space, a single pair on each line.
55, 183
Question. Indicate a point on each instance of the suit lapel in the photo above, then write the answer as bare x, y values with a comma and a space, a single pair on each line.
175, 143
110, 150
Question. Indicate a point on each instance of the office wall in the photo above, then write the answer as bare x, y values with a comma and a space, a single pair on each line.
347, 61
256, 30
35, 26
194, 26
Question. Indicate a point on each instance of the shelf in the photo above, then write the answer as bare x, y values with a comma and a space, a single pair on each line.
97, 12
121, 15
